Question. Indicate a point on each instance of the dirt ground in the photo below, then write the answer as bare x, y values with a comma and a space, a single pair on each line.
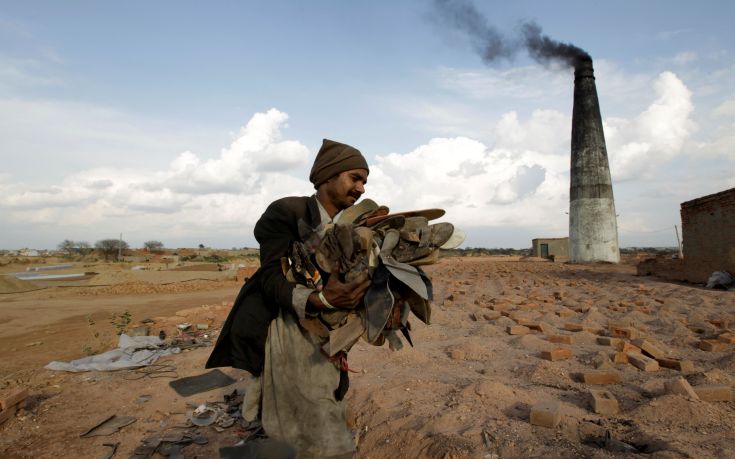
465, 390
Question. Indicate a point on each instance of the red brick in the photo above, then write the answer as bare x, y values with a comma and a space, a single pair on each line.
712, 345
546, 413
674, 364
603, 402
12, 398
680, 386
491, 315
620, 357
556, 354
607, 341
625, 346
601, 377
7, 414
526, 322
570, 326
642, 362
563, 339
721, 323
623, 332
714, 393
649, 348
518, 330
565, 313
727, 337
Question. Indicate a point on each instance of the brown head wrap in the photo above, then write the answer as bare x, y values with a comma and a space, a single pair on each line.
334, 158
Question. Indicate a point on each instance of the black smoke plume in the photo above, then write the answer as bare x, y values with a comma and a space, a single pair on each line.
493, 45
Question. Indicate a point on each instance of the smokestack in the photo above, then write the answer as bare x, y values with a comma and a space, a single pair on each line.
593, 227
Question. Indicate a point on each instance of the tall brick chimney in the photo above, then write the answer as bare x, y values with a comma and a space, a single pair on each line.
593, 227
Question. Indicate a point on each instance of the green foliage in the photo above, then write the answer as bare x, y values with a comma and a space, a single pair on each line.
121, 321
110, 248
154, 246
216, 258
98, 344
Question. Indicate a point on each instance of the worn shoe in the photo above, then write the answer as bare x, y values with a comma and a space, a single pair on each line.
358, 211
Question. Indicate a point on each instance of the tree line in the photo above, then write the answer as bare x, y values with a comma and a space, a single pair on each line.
110, 249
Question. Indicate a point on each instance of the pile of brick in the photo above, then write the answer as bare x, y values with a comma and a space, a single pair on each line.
11, 401
625, 344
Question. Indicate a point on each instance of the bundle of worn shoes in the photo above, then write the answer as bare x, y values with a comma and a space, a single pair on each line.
391, 248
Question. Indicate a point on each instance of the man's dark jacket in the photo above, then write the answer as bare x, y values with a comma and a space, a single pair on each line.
241, 343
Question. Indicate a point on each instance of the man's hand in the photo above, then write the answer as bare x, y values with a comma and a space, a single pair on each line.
345, 295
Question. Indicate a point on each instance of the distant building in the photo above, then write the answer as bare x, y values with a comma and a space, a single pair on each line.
708, 239
556, 249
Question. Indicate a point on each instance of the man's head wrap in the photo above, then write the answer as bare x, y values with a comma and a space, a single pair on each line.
334, 158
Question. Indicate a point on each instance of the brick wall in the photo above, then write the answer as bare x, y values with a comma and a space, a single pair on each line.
708, 235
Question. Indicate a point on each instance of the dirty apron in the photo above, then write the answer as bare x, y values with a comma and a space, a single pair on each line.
298, 384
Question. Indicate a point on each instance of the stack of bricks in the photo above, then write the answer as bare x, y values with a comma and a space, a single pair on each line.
10, 403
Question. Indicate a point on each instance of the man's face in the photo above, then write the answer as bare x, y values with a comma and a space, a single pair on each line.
345, 189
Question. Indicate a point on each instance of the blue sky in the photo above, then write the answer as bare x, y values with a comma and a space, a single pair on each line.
180, 121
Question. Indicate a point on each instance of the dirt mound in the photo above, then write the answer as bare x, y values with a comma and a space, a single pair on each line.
11, 284
138, 287
199, 267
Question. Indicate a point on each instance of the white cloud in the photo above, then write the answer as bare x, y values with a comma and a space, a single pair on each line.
193, 194
685, 57
473, 183
640, 145
725, 109
518, 180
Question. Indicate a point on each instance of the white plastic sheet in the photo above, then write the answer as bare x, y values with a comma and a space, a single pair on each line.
131, 352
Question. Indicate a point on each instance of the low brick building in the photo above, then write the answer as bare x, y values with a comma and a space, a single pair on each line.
708, 239
554, 248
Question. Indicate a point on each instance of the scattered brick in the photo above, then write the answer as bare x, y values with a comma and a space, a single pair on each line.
573, 327
721, 323
649, 348
526, 322
528, 306
727, 337
603, 402
602, 361
556, 354
620, 357
7, 414
518, 330
457, 354
625, 346
595, 331
601, 377
608, 341
623, 332
714, 393
621, 323
565, 313
491, 315
500, 307
674, 364
562, 339
680, 386
712, 345
642, 362
546, 413
9, 399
